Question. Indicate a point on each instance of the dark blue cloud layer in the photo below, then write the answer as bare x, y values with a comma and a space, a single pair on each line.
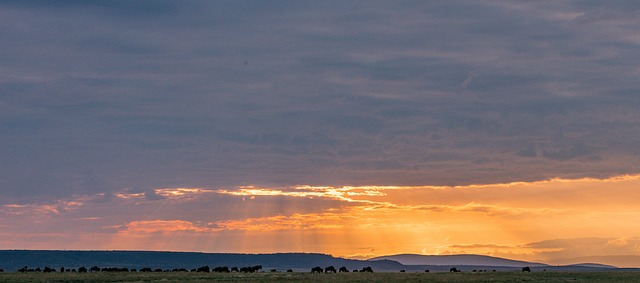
103, 96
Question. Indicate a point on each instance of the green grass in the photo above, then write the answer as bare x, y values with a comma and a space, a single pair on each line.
307, 277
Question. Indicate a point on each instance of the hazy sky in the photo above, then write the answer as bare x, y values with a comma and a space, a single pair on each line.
355, 128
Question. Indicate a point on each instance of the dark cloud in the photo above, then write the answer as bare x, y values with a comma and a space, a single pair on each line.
99, 97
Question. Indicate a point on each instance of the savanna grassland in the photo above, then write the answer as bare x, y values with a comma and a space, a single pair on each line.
308, 277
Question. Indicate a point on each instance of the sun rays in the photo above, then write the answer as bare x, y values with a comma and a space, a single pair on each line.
493, 219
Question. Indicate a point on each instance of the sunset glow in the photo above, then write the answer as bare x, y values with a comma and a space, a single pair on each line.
530, 221
356, 129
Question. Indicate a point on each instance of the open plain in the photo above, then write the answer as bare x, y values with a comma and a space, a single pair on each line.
16, 277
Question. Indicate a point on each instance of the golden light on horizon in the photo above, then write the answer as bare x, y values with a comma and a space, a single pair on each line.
493, 219
357, 129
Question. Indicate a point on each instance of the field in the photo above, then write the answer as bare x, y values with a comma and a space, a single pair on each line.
307, 277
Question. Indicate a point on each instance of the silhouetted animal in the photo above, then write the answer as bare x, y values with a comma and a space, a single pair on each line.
114, 269
427, 270
453, 269
221, 269
316, 269
343, 269
403, 270
366, 269
250, 269
289, 270
274, 270
330, 269
203, 269
526, 269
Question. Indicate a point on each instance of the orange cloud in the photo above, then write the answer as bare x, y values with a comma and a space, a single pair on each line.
181, 192
38, 212
130, 196
492, 219
342, 193
292, 222
432, 219
164, 226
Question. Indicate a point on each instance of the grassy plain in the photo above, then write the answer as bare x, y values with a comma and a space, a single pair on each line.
307, 277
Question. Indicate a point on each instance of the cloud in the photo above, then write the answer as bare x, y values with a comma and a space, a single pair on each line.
429, 116
165, 226
38, 212
292, 222
347, 194
617, 251
337, 96
540, 221
506, 251
562, 249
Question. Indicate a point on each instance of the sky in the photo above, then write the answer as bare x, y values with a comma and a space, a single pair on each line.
353, 128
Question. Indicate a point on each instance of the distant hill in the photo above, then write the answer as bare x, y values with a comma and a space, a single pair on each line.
597, 265
618, 261
11, 260
471, 260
